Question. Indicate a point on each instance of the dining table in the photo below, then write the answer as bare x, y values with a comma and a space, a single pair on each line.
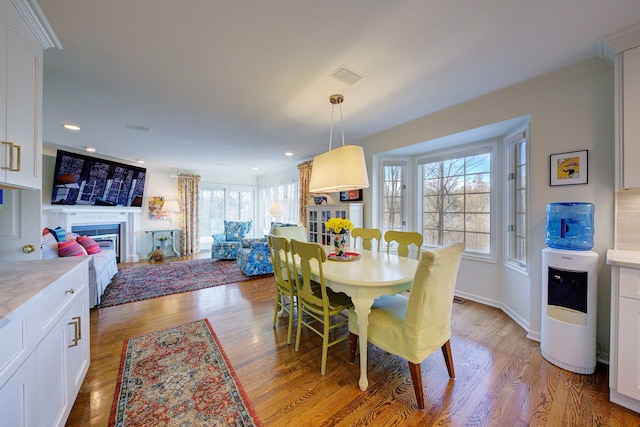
364, 279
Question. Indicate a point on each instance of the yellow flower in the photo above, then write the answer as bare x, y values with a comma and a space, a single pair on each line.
338, 225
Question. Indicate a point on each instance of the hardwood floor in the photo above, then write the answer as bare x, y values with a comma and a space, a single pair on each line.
501, 378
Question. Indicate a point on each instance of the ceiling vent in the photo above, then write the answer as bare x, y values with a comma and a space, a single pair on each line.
137, 127
346, 75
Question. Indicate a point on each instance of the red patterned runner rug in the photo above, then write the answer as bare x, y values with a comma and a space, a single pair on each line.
179, 377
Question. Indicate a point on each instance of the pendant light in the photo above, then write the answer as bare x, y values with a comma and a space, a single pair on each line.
341, 169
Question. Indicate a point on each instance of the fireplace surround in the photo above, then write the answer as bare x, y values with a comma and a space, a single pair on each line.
127, 219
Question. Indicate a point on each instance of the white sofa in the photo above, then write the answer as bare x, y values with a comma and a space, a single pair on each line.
102, 267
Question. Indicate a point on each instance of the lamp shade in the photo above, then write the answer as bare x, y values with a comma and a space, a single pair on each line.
276, 209
341, 169
171, 206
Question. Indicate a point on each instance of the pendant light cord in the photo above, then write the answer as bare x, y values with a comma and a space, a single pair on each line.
341, 124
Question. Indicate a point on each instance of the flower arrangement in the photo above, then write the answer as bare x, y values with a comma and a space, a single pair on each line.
163, 238
338, 225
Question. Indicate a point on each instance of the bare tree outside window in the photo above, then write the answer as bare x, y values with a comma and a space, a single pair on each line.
456, 204
393, 208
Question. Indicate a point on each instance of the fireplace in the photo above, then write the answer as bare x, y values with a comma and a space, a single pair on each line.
120, 224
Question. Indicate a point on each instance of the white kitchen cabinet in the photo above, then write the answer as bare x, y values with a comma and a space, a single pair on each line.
317, 215
21, 98
45, 353
629, 117
624, 353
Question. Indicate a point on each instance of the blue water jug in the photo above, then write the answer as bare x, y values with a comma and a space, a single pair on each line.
570, 225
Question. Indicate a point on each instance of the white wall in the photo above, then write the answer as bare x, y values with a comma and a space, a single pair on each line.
570, 110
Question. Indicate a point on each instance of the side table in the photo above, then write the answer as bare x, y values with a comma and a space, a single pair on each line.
167, 245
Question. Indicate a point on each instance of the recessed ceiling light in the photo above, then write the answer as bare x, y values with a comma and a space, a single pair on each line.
140, 161
288, 153
254, 169
90, 149
70, 127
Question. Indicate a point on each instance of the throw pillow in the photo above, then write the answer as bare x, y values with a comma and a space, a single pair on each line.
59, 233
89, 244
49, 245
70, 248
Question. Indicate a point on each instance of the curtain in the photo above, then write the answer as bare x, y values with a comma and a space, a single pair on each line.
188, 190
305, 176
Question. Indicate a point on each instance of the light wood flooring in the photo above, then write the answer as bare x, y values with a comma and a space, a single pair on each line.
501, 378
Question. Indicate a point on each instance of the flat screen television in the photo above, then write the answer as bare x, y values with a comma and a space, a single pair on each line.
84, 180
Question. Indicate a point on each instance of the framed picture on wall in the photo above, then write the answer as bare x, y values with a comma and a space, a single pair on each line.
569, 168
351, 196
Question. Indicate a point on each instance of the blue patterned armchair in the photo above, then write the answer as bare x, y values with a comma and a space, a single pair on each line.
227, 245
254, 257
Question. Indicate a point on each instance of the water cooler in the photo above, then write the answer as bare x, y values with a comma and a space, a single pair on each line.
569, 288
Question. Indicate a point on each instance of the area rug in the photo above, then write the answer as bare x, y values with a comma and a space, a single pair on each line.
155, 280
179, 377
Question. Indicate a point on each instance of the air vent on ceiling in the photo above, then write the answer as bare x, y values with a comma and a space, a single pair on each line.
137, 127
346, 75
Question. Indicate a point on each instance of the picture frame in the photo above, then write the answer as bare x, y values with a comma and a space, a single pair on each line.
351, 196
569, 168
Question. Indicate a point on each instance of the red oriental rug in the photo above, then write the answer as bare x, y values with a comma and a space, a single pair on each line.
155, 280
179, 377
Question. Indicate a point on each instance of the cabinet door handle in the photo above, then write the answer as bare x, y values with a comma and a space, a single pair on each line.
79, 319
69, 291
75, 333
11, 156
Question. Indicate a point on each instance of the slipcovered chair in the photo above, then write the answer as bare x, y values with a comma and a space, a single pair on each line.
254, 257
404, 239
367, 235
226, 246
315, 301
414, 327
298, 233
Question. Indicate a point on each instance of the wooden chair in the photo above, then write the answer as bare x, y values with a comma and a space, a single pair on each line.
367, 235
404, 239
414, 327
319, 303
285, 283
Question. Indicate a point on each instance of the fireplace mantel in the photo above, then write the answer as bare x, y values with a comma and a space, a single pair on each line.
128, 218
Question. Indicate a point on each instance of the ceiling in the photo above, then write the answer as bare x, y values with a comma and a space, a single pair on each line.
226, 86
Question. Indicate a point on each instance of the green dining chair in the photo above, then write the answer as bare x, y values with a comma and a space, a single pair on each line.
286, 301
416, 326
367, 235
404, 239
319, 308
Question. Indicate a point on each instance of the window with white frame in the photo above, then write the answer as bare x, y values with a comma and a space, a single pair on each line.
218, 204
516, 195
286, 193
393, 197
456, 199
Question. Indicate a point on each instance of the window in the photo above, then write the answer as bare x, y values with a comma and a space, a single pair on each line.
516, 170
394, 189
456, 200
287, 194
218, 204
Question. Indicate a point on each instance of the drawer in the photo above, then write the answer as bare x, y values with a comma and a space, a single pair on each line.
630, 282
14, 349
55, 299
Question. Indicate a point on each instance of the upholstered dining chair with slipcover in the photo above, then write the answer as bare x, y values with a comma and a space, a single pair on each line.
404, 239
285, 283
416, 326
315, 301
298, 233
367, 235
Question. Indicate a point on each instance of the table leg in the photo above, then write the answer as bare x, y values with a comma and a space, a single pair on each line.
362, 308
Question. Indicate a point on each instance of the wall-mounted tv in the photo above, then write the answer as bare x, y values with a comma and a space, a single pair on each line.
86, 180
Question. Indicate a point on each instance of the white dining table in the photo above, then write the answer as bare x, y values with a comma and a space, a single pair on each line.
373, 275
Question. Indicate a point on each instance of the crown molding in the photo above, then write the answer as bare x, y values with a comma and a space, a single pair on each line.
619, 41
34, 17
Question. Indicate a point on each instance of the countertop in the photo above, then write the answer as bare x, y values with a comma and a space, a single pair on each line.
22, 280
623, 258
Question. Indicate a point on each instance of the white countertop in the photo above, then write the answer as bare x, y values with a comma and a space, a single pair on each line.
623, 258
20, 281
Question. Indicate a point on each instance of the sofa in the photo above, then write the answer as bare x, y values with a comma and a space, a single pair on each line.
253, 258
102, 257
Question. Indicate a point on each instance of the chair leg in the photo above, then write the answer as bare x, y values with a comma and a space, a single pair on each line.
448, 359
277, 307
298, 330
353, 344
291, 309
325, 346
416, 378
